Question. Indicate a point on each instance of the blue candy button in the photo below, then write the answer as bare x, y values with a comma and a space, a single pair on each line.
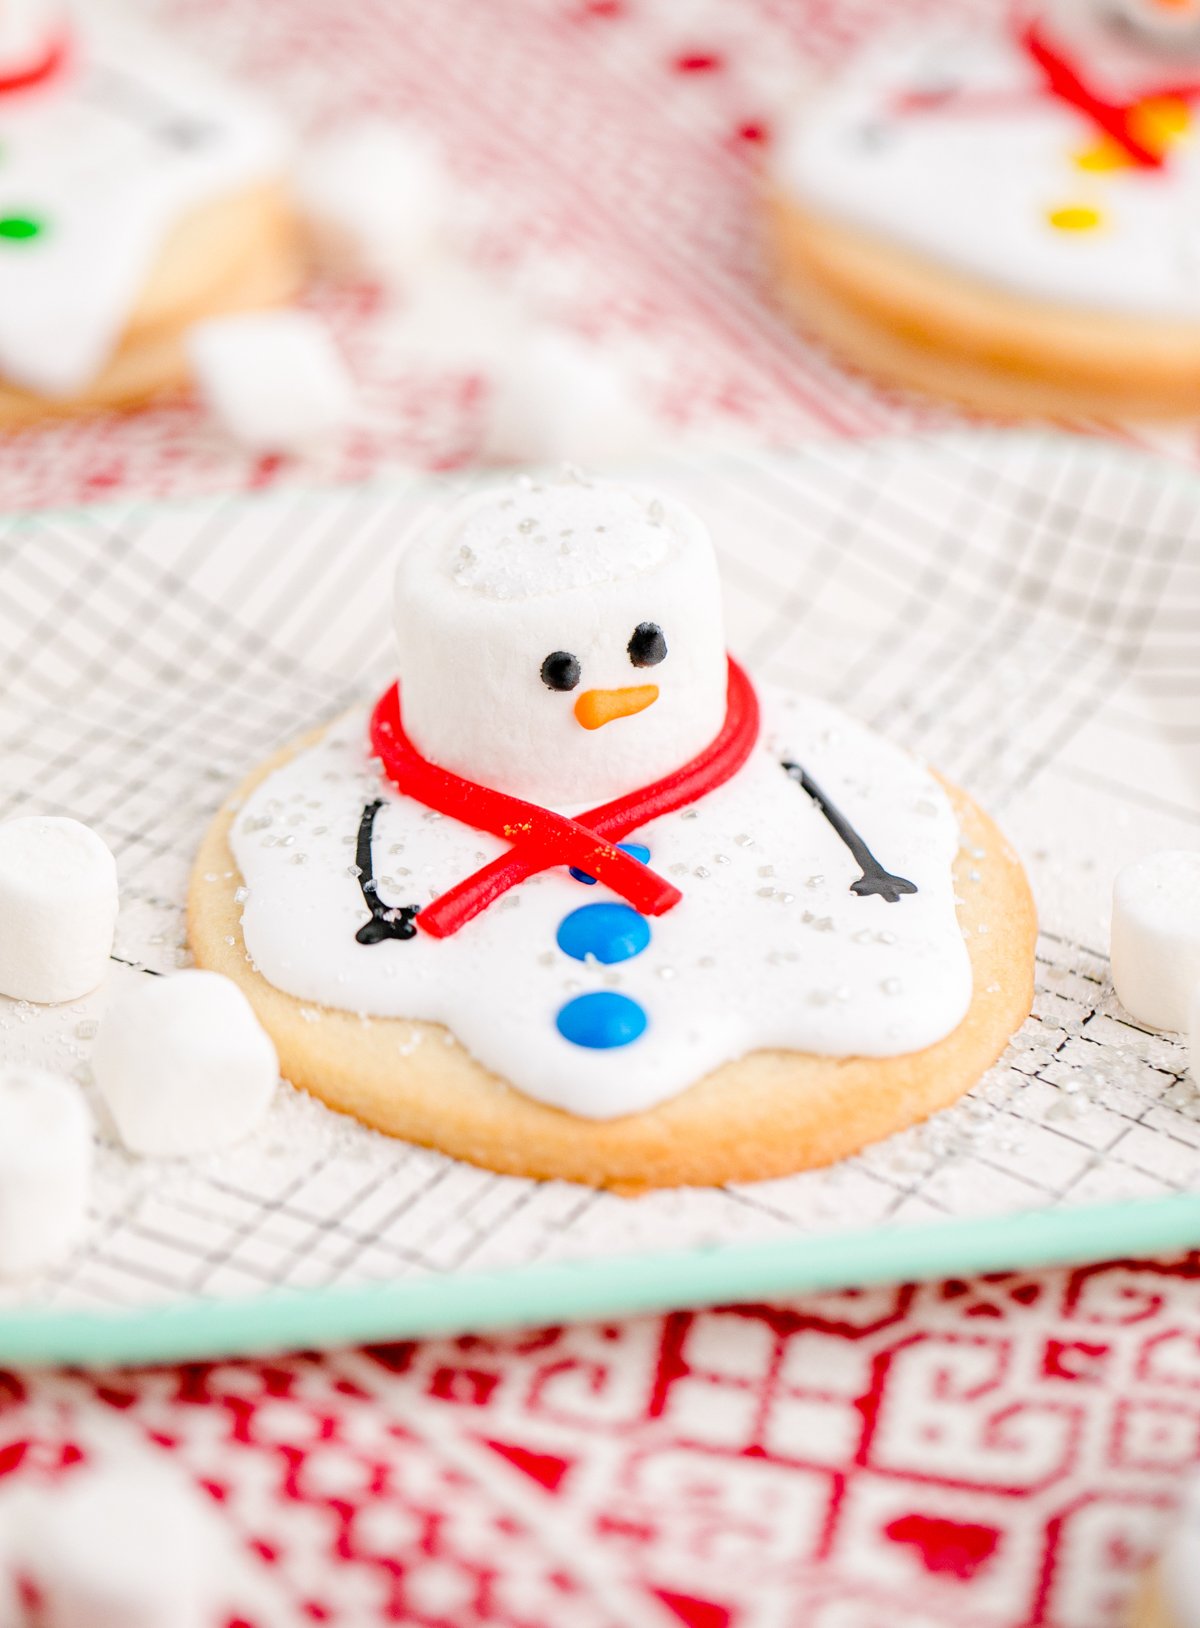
608, 932
635, 850
601, 1020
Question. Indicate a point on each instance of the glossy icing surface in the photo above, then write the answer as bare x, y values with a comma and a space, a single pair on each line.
769, 947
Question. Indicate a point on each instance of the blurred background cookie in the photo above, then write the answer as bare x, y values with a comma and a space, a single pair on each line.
1002, 213
139, 192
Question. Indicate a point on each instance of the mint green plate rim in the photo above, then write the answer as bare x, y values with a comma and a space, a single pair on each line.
622, 1286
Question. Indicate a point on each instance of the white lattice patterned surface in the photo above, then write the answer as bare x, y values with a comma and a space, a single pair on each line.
984, 599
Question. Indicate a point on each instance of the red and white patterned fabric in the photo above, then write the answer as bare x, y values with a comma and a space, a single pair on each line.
1002, 1453
996, 1453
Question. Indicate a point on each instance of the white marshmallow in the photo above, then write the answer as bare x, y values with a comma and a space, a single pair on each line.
124, 1545
559, 398
486, 593
184, 1065
375, 194
58, 908
1155, 946
274, 380
45, 1169
1127, 47
1166, 23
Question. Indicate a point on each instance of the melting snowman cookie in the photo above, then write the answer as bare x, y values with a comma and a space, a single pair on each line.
1004, 213
575, 897
139, 193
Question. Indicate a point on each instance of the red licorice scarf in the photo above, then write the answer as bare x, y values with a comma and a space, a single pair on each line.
539, 837
1065, 80
37, 72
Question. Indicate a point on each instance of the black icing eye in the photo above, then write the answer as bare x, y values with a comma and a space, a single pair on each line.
560, 670
648, 646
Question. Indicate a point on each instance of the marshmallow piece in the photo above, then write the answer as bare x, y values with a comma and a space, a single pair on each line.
184, 1065
1155, 947
58, 909
516, 616
45, 1169
375, 196
274, 380
124, 1545
558, 398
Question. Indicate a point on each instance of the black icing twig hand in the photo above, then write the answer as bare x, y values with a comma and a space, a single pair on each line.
874, 879
387, 920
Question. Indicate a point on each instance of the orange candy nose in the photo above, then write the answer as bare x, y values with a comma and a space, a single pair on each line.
596, 707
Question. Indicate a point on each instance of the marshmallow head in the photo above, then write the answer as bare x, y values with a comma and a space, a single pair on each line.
45, 1169
1167, 23
561, 641
58, 909
1104, 33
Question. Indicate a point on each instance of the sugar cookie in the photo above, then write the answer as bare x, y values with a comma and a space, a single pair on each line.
744, 958
1003, 215
151, 195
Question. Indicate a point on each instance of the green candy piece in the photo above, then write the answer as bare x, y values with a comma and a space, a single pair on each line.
19, 228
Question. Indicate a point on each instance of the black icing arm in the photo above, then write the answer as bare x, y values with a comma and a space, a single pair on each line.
387, 921
874, 879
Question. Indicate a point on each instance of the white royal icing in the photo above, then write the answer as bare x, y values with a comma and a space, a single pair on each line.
107, 159
767, 948
974, 187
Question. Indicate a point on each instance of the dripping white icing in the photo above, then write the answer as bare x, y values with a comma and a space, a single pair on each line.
974, 190
107, 160
768, 947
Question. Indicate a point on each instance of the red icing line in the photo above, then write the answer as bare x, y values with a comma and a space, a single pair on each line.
1115, 119
45, 68
1064, 80
542, 839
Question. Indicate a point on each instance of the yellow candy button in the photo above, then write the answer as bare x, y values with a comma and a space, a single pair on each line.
1102, 158
1075, 218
